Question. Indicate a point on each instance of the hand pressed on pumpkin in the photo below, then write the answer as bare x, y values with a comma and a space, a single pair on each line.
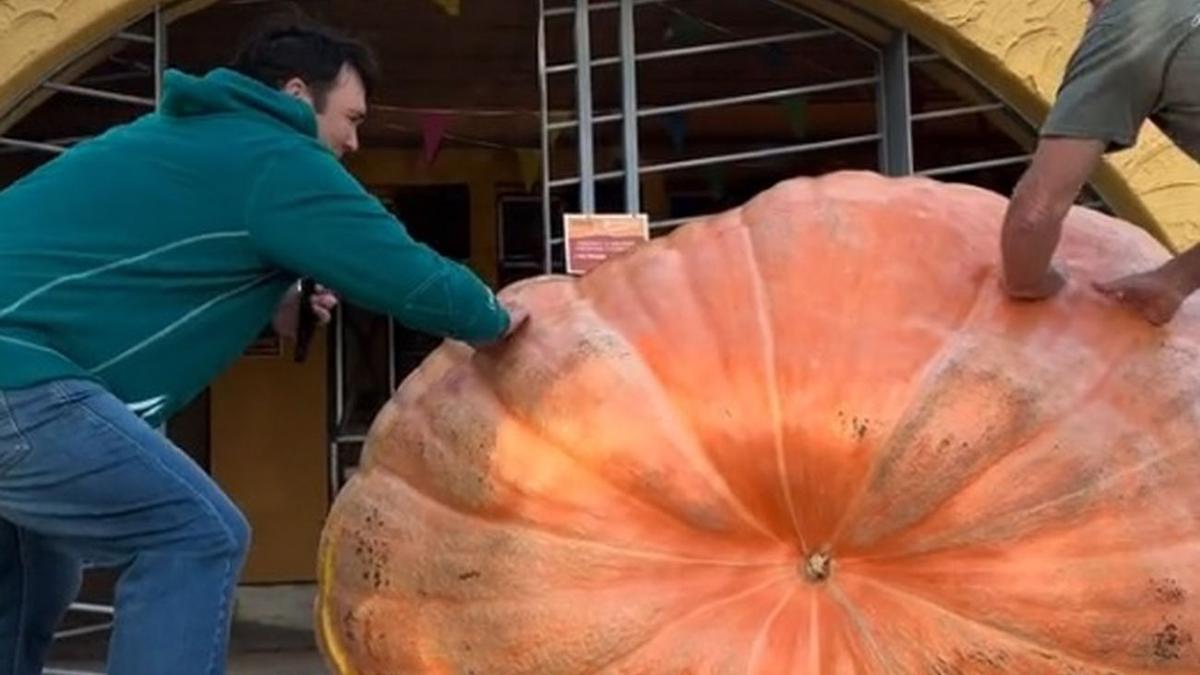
1150, 294
810, 436
1052, 283
1157, 295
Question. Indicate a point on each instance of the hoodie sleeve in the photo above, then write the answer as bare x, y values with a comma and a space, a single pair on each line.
308, 215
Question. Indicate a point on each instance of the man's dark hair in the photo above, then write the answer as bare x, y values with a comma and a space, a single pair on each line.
279, 52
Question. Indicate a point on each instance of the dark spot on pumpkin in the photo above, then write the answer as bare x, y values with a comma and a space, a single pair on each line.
1168, 591
995, 659
860, 428
978, 660
466, 576
373, 518
943, 667
1170, 641
857, 427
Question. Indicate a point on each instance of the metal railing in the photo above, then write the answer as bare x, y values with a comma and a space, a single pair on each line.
159, 42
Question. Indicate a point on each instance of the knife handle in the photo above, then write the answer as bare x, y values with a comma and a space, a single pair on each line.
306, 324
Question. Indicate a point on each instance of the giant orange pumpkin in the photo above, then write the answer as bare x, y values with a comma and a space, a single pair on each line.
808, 436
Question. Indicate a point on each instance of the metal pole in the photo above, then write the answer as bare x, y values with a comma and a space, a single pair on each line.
583, 99
391, 341
160, 51
759, 154
794, 6
895, 107
597, 7
973, 166
730, 100
956, 112
98, 93
732, 157
92, 608
135, 37
547, 248
702, 49
633, 200
32, 145
339, 398
114, 77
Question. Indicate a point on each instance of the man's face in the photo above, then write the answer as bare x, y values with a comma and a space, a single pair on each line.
345, 108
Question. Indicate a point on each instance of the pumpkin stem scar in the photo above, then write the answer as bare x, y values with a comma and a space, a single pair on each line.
818, 566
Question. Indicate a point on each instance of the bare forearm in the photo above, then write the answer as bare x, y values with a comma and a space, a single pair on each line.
1032, 229
1184, 270
1034, 222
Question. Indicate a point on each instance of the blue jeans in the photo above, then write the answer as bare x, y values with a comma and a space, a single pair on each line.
82, 479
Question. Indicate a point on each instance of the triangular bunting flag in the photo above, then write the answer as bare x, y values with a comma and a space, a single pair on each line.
451, 7
530, 163
433, 130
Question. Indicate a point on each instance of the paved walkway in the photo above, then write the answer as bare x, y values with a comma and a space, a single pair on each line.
241, 664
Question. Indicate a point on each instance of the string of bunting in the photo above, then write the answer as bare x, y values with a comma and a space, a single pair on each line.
683, 29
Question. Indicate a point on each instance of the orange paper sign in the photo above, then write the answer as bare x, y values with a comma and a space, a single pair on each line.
592, 239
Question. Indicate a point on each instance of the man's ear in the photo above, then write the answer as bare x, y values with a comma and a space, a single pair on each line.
296, 87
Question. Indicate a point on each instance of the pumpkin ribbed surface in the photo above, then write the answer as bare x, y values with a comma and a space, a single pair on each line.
807, 436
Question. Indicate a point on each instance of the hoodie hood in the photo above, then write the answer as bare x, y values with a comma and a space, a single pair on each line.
226, 91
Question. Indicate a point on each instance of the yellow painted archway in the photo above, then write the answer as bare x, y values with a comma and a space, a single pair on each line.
1018, 50
44, 38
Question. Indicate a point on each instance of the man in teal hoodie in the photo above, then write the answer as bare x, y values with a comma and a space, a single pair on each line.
133, 270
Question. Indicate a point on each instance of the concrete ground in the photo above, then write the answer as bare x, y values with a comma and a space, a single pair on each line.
272, 635
242, 664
